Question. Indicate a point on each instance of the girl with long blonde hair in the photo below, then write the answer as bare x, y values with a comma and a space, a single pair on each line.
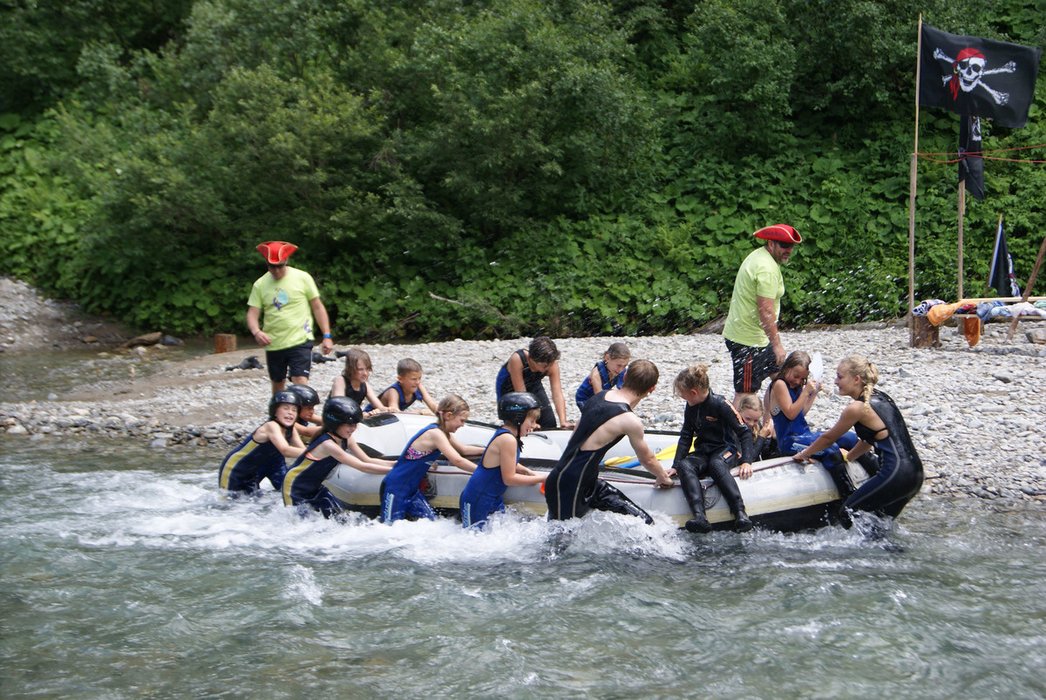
880, 426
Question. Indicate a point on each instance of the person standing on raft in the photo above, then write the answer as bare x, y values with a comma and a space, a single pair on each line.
878, 423
573, 487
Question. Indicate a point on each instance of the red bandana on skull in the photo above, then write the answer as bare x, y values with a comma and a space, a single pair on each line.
964, 55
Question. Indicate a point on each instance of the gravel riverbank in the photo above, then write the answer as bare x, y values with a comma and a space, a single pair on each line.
977, 415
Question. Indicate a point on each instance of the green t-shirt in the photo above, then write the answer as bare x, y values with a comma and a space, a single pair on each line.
287, 314
759, 275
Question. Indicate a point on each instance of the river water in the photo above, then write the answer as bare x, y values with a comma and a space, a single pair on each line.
126, 575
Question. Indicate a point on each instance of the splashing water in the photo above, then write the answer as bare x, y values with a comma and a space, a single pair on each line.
126, 572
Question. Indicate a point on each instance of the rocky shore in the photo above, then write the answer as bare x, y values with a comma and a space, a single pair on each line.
977, 415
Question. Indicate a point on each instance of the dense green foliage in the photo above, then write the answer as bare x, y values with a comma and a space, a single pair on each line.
475, 169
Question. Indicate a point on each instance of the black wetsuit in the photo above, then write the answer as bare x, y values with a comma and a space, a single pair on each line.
573, 486
900, 474
359, 396
532, 382
716, 430
765, 447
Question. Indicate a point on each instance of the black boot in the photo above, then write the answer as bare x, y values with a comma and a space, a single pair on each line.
742, 523
870, 462
836, 466
832, 460
610, 498
841, 479
731, 494
695, 496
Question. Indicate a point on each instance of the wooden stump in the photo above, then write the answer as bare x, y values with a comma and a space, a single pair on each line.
224, 342
924, 333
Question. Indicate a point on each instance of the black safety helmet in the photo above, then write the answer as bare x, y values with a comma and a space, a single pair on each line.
338, 411
283, 397
306, 393
514, 406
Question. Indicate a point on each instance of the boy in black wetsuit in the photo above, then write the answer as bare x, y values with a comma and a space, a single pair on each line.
573, 487
715, 429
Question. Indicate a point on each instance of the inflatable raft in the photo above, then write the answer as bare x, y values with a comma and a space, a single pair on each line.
781, 494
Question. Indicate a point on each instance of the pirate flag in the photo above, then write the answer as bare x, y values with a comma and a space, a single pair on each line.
979, 77
971, 165
1000, 274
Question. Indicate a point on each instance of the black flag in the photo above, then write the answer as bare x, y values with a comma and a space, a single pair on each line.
1000, 275
979, 77
971, 165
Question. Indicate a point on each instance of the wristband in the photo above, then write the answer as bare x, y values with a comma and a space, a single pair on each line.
326, 336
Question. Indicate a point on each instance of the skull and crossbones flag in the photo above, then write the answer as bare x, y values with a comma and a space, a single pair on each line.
978, 77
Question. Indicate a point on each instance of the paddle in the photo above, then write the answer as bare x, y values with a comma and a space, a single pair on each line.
633, 461
756, 467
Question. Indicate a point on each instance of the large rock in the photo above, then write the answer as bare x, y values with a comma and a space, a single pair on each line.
145, 339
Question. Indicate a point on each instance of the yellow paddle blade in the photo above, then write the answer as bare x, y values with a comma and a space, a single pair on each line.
663, 454
667, 452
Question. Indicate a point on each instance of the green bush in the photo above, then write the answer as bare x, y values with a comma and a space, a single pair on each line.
487, 169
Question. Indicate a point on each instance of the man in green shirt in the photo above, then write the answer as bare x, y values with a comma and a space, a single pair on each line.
290, 301
751, 325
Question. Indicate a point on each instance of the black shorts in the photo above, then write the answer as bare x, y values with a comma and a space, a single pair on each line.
296, 360
751, 366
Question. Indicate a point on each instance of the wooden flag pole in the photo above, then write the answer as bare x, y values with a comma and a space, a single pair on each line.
1027, 288
912, 176
962, 220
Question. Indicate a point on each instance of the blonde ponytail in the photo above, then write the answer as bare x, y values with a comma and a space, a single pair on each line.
859, 366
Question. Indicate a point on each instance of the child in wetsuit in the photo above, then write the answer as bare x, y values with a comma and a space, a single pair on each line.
308, 425
303, 486
764, 440
406, 390
789, 398
263, 453
400, 492
720, 440
607, 373
524, 371
499, 466
353, 382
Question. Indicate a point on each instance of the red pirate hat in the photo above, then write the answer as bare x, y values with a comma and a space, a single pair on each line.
782, 233
276, 252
